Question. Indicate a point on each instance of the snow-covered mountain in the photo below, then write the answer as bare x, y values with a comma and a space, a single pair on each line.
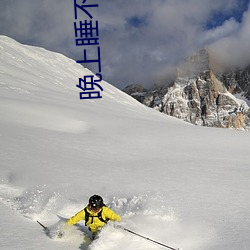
182, 185
201, 96
237, 81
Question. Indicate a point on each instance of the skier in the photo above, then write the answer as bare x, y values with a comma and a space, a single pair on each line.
95, 214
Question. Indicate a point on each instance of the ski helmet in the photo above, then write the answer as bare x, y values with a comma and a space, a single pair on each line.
95, 202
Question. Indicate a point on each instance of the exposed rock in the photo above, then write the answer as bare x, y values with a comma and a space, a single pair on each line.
201, 97
137, 91
133, 88
237, 81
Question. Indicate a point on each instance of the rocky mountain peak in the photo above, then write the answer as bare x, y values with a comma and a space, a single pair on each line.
196, 64
202, 97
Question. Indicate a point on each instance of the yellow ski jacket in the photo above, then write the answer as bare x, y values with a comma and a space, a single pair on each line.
94, 223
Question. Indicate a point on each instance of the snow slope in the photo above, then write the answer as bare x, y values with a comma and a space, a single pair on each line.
173, 182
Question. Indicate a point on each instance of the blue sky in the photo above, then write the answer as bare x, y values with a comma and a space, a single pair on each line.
218, 17
136, 21
141, 41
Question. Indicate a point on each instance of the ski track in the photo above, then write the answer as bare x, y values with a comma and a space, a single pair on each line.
144, 214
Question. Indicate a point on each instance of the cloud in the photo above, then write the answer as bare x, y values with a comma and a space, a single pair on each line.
36, 22
233, 49
228, 28
140, 40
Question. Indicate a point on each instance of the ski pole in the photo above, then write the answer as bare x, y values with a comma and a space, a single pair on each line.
45, 228
146, 238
